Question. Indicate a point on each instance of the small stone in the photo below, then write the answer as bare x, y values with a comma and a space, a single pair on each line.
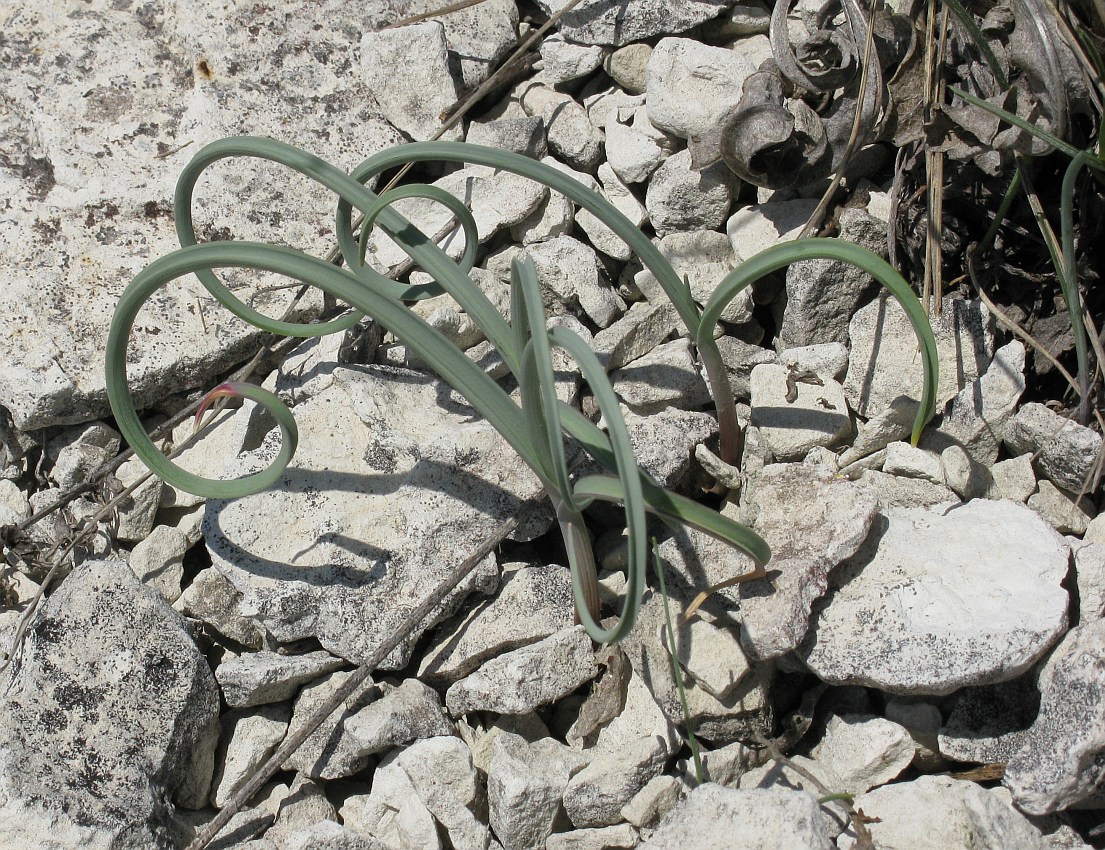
628, 65
888, 426
823, 295
963, 474
632, 155
410, 712
691, 86
665, 376
79, 451
812, 521
564, 61
624, 201
703, 258
524, 136
1060, 763
765, 819
925, 813
525, 787
680, 198
653, 801
826, 360
909, 462
212, 599
520, 680
441, 772
1089, 565
256, 678
329, 753
137, 511
710, 654
603, 838
327, 835
740, 358
1060, 509
884, 362
635, 334
571, 136
758, 227
534, 602
974, 597
626, 21
817, 415
899, 492
773, 774
863, 751
1013, 479
304, 806
407, 70
158, 561
1064, 450
248, 738
393, 813
570, 270
594, 797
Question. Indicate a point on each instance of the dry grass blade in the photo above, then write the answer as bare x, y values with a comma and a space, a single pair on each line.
436, 13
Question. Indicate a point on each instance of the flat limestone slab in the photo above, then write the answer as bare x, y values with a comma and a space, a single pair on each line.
104, 103
394, 483
938, 599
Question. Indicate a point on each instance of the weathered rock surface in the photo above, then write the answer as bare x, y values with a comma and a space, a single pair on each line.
940, 599
812, 521
1065, 450
90, 169
618, 22
989, 724
111, 713
764, 819
1061, 761
797, 415
256, 678
383, 524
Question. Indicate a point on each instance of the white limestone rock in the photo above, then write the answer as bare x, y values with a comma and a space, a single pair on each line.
601, 838
653, 801
910, 462
816, 416
758, 227
79, 451
889, 425
632, 154
863, 751
569, 270
441, 773
898, 491
328, 835
779, 776
551, 218
248, 738
963, 474
212, 599
1065, 451
884, 362
305, 805
812, 521
524, 136
498, 200
628, 65
594, 796
1014, 479
257, 678
111, 714
942, 599
1060, 509
409, 712
924, 814
618, 22
571, 135
663, 442
643, 327
978, 416
329, 752
703, 258
99, 126
138, 510
691, 86
739, 359
710, 654
1060, 764
158, 561
826, 360
1089, 566
522, 679
431, 483
665, 376
680, 198
822, 295
564, 61
392, 813
765, 819
533, 602
624, 201
407, 71
525, 787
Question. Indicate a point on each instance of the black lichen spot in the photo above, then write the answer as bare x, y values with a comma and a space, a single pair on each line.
380, 458
157, 209
204, 70
40, 173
